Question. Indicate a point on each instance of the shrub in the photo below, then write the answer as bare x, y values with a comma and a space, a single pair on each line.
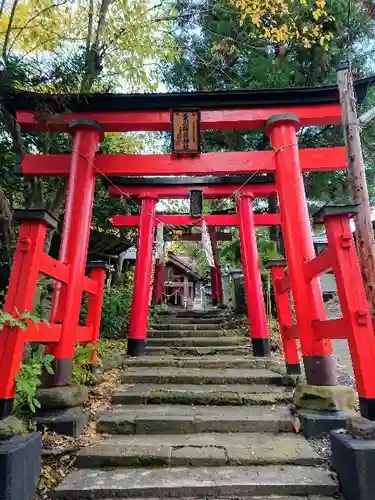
116, 309
35, 363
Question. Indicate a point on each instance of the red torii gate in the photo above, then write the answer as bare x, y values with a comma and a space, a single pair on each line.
281, 115
245, 220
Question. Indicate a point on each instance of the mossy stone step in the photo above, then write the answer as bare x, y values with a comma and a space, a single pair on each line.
230, 395
188, 321
198, 341
200, 376
197, 351
181, 419
197, 482
225, 361
197, 450
189, 326
195, 333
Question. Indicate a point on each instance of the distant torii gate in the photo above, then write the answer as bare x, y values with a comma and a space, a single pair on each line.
280, 114
211, 188
245, 220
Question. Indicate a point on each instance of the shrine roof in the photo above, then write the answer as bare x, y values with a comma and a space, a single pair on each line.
185, 263
258, 98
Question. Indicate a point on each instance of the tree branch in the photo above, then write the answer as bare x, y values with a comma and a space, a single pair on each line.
367, 116
7, 33
22, 28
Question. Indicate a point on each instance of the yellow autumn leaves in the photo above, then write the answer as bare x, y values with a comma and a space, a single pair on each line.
280, 21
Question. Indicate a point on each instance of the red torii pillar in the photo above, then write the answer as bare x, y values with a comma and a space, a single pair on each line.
317, 354
87, 135
216, 283
158, 283
137, 336
256, 310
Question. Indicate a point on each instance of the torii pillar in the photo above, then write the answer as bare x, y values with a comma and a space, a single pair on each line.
137, 336
319, 364
66, 305
216, 282
256, 309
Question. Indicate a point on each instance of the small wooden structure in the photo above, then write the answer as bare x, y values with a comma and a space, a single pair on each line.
180, 281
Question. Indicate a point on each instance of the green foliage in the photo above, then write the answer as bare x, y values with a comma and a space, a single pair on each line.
116, 309
109, 353
82, 371
230, 252
16, 320
35, 363
220, 52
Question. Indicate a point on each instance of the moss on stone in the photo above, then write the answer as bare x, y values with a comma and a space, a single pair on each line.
324, 398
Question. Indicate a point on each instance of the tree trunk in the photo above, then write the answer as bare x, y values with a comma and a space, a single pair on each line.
357, 179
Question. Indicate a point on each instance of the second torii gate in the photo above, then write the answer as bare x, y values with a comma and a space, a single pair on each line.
245, 219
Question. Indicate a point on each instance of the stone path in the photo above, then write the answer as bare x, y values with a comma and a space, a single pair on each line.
201, 419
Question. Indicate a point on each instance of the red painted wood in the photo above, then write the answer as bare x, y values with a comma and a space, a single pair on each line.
41, 332
142, 274
311, 160
217, 294
176, 192
285, 317
318, 265
90, 285
298, 242
94, 308
75, 238
256, 310
54, 268
224, 220
225, 119
332, 329
354, 306
158, 283
84, 334
282, 285
20, 298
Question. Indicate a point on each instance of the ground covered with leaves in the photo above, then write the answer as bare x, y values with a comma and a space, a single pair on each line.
59, 452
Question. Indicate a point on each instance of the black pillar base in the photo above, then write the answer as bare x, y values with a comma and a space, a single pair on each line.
261, 347
318, 423
320, 370
353, 460
62, 375
6, 407
69, 422
294, 369
136, 347
367, 408
20, 462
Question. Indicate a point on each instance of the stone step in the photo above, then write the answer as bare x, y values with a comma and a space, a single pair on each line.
198, 341
224, 361
272, 497
191, 320
236, 395
193, 333
197, 351
200, 376
197, 482
189, 326
198, 450
214, 313
183, 419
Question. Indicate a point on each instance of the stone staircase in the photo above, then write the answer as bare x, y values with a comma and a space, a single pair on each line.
199, 417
